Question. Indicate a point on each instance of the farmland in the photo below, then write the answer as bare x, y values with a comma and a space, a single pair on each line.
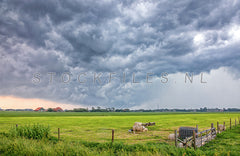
94, 129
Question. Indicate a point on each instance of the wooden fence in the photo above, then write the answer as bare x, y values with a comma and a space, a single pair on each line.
201, 138
198, 139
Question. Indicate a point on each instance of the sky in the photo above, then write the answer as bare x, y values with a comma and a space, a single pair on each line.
119, 53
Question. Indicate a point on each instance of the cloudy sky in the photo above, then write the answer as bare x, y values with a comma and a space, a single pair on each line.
63, 53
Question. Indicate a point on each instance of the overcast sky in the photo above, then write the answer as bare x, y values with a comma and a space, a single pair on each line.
125, 38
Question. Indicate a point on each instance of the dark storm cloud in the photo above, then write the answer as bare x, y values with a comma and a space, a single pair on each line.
111, 36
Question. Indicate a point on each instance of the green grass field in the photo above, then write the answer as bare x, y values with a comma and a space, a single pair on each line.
94, 129
97, 126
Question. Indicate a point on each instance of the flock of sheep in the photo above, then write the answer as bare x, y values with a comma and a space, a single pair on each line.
141, 127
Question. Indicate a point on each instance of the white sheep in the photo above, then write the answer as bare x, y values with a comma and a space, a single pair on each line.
139, 127
221, 127
145, 129
171, 136
180, 145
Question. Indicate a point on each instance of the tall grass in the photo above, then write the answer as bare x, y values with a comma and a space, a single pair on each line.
36, 131
22, 146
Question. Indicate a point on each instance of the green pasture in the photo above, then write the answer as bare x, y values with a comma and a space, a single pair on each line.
225, 144
96, 127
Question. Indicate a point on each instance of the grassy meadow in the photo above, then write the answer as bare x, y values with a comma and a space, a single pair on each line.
91, 132
96, 127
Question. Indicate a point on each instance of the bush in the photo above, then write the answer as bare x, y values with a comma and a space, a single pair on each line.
35, 131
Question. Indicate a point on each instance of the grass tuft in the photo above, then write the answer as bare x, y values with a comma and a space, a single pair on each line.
36, 131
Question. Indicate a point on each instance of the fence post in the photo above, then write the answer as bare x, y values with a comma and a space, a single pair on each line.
235, 122
194, 139
112, 135
230, 123
210, 134
176, 138
201, 138
58, 133
16, 125
224, 128
217, 127
211, 130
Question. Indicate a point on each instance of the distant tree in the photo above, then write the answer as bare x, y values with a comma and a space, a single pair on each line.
49, 110
205, 109
80, 110
113, 109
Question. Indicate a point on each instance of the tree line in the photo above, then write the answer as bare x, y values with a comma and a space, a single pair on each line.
112, 109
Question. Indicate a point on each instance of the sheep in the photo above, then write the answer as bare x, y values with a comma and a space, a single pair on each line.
171, 136
180, 145
139, 127
145, 130
148, 124
137, 124
221, 127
